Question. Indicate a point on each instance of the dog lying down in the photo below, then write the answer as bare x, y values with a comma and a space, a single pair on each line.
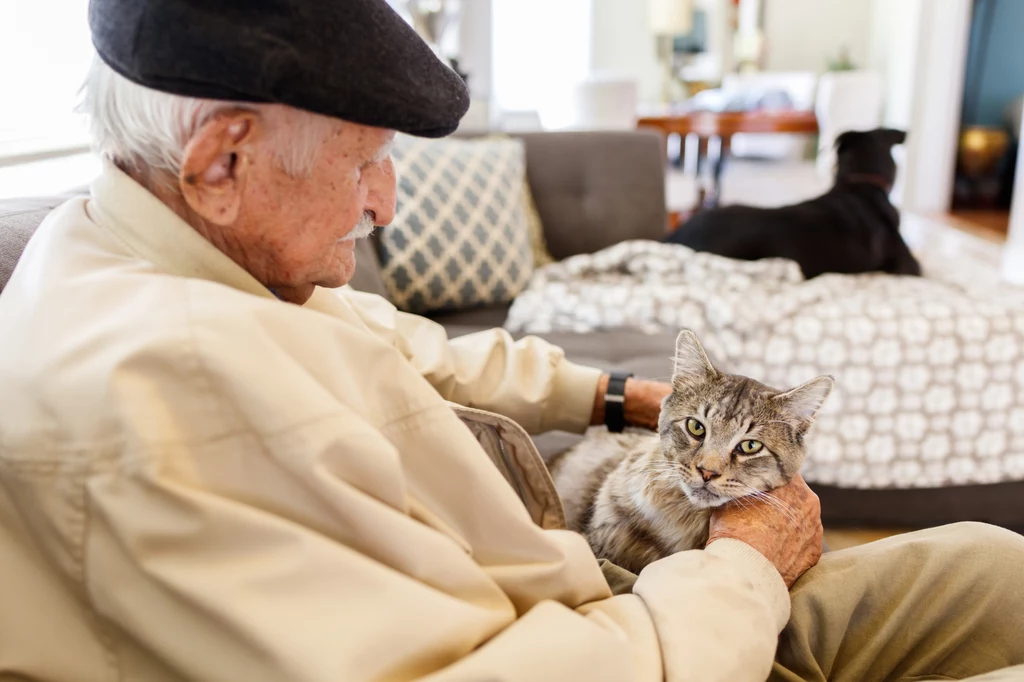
851, 228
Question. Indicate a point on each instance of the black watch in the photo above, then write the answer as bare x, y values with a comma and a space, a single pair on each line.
614, 401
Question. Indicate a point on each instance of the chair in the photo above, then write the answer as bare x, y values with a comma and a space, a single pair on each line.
519, 121
847, 100
605, 101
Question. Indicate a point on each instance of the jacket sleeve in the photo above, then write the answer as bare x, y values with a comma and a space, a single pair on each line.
529, 380
251, 576
251, 524
221, 590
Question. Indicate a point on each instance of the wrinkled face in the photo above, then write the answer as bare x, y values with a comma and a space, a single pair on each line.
728, 436
305, 227
291, 231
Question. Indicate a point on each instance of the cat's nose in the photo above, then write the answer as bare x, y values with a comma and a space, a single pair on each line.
708, 474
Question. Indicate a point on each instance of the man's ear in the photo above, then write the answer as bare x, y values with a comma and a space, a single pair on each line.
215, 165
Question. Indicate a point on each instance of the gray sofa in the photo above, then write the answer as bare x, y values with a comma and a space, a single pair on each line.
593, 190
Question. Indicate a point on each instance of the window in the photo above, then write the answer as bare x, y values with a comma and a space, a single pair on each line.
541, 49
45, 53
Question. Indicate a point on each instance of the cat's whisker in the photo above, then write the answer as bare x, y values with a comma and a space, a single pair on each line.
662, 471
662, 468
668, 476
786, 510
742, 502
775, 502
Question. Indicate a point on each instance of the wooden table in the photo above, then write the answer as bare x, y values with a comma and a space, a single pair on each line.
723, 125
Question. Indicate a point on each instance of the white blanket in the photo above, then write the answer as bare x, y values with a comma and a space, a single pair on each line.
929, 372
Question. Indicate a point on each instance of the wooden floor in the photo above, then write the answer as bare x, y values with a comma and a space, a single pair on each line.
991, 225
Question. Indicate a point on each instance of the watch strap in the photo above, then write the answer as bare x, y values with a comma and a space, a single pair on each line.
614, 401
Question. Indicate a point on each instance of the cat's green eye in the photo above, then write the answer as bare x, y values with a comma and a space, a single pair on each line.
695, 428
750, 447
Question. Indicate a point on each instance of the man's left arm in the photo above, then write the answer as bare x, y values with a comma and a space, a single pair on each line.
641, 401
529, 381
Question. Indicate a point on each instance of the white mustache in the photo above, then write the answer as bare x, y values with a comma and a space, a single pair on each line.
363, 229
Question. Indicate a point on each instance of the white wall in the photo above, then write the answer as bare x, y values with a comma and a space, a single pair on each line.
937, 87
893, 51
1013, 252
540, 49
801, 35
622, 41
475, 46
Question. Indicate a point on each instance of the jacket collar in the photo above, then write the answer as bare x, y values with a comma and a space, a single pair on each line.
157, 234
153, 231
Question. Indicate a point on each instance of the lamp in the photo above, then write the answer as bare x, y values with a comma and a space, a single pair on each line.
669, 18
431, 19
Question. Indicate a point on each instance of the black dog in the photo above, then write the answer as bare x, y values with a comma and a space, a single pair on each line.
852, 228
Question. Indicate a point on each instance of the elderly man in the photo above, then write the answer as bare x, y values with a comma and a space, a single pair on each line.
215, 465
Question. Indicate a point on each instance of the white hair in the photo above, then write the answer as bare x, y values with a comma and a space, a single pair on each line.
144, 129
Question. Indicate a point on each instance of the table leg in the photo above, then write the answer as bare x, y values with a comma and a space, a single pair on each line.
702, 157
724, 148
679, 159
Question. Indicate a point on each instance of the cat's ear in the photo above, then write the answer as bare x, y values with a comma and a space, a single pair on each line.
804, 401
691, 362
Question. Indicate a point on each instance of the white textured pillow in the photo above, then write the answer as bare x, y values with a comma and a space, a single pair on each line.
460, 238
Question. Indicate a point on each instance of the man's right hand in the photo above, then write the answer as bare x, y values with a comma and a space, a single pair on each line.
786, 529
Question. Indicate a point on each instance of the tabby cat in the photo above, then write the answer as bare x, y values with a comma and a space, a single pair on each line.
640, 496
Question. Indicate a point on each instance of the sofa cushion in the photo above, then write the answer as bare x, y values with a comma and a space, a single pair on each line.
595, 189
459, 239
649, 356
477, 318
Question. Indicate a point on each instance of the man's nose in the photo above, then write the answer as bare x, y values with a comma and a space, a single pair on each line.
380, 199
708, 474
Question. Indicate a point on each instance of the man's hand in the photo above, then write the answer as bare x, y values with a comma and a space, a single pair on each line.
642, 403
786, 529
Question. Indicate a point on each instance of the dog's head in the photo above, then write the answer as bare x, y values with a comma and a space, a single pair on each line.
868, 153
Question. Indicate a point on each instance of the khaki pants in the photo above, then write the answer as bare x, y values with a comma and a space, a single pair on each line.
940, 604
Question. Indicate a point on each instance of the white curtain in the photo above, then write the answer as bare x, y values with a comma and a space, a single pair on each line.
541, 49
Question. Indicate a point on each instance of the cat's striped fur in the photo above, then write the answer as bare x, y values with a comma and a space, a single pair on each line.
639, 496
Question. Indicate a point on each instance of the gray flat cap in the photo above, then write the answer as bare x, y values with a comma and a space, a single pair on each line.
355, 60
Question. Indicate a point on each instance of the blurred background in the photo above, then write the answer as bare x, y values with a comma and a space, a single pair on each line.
947, 71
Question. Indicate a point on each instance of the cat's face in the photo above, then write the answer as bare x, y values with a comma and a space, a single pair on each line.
728, 436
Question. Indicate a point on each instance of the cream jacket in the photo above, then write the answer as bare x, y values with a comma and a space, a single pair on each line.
201, 482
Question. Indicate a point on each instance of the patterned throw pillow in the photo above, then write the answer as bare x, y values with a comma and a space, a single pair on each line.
459, 239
